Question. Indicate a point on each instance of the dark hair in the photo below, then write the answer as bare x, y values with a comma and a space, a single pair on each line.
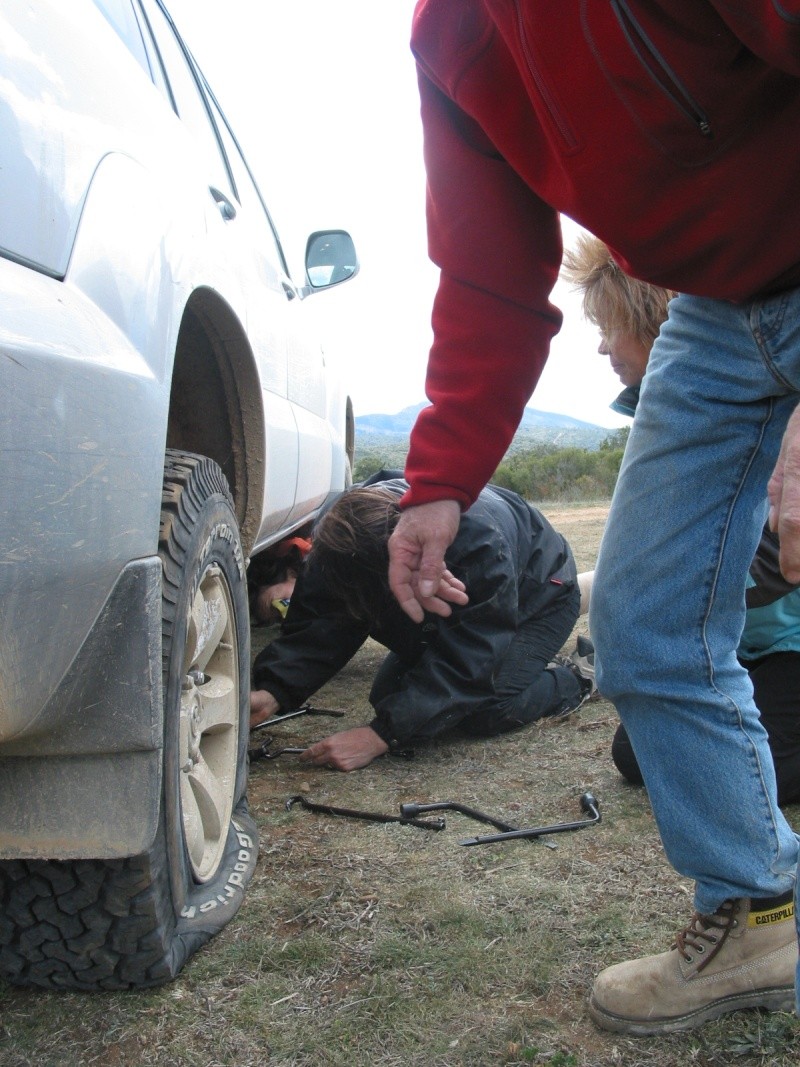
350, 548
269, 569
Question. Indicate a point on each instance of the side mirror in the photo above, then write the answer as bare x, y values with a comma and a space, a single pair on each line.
330, 258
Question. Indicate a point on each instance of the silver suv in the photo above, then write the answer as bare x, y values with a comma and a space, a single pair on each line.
165, 414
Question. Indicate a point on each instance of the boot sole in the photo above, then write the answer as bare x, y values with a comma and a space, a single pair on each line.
781, 999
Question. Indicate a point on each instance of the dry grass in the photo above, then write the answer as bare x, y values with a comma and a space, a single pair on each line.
361, 943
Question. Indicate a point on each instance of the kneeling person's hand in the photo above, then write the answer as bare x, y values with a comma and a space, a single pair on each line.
348, 750
263, 706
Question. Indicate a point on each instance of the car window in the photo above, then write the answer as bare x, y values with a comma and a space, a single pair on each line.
122, 17
189, 101
247, 193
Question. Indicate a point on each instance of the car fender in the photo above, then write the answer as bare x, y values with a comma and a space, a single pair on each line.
75, 488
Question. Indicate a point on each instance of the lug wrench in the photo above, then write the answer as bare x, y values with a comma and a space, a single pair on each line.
371, 816
408, 811
263, 752
304, 709
588, 805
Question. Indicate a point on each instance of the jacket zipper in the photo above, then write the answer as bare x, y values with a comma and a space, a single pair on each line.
544, 92
669, 83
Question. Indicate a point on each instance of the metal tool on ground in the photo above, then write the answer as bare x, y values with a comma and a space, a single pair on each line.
304, 709
409, 811
588, 804
370, 816
264, 751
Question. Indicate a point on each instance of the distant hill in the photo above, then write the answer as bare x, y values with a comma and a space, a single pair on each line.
389, 433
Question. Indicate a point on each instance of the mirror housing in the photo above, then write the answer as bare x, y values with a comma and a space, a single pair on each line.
330, 259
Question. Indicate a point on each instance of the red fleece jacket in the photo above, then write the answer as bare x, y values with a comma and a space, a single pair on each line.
668, 128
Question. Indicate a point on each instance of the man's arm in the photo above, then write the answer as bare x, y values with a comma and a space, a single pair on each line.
317, 639
499, 249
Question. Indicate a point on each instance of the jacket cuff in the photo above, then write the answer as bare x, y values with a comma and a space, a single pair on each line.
281, 695
429, 494
383, 730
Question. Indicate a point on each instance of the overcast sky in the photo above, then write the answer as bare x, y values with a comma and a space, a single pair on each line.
323, 97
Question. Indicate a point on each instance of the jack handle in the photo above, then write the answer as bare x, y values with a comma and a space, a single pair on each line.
588, 804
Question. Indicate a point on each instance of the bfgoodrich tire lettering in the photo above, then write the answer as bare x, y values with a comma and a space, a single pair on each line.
120, 924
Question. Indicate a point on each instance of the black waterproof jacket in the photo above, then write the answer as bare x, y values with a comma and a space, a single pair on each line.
515, 566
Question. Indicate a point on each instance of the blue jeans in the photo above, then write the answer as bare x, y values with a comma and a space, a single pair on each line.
667, 604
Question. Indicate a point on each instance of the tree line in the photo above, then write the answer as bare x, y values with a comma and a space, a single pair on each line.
543, 472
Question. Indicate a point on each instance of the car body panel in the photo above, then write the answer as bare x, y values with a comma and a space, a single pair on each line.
51, 134
145, 303
70, 479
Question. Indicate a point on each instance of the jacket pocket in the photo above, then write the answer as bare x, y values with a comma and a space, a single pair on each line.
548, 101
689, 85
657, 67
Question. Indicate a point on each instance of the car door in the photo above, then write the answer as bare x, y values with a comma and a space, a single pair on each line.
248, 269
307, 379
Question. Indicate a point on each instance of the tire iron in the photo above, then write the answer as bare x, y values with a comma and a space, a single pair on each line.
588, 804
304, 709
370, 816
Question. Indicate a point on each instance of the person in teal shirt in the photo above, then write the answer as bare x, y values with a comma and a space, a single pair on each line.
629, 312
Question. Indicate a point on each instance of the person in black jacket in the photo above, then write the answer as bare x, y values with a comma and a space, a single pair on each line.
487, 668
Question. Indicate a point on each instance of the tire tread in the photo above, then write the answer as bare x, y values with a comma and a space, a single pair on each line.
110, 924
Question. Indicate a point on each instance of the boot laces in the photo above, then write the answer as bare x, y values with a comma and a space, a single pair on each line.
706, 934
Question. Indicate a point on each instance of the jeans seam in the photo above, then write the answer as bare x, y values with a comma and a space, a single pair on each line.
762, 336
726, 531
734, 706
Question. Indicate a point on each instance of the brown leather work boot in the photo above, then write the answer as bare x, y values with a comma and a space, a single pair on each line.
742, 956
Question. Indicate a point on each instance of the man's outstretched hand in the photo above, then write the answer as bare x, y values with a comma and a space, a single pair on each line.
784, 499
418, 576
346, 751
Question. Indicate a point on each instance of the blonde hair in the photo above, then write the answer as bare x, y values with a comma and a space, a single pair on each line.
612, 299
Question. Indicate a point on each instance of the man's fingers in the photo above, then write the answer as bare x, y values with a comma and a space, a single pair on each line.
784, 497
406, 597
452, 589
307, 755
434, 606
416, 554
451, 581
401, 574
788, 531
432, 570
411, 599
316, 754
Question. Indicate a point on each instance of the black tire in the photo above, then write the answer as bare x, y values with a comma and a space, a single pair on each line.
122, 924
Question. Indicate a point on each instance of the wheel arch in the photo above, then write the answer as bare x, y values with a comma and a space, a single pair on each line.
215, 406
